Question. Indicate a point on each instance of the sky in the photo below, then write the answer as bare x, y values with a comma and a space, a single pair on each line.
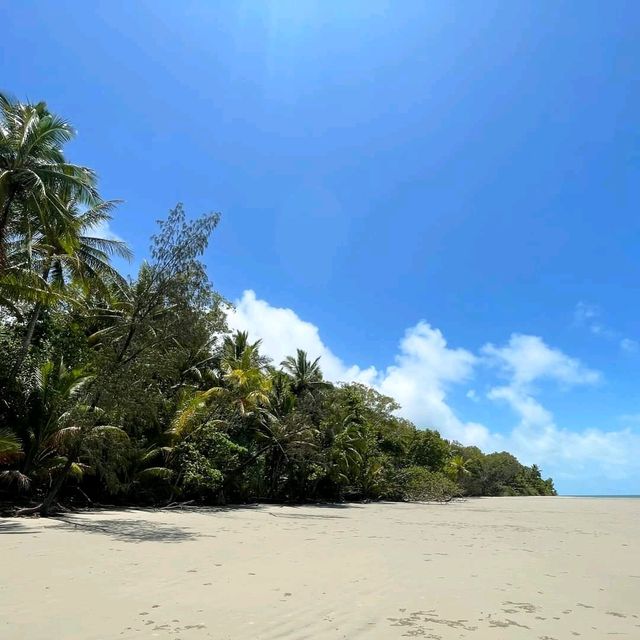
438, 198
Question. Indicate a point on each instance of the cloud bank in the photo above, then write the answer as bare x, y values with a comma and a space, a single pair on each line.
426, 369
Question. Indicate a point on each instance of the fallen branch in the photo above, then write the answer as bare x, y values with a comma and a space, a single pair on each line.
179, 505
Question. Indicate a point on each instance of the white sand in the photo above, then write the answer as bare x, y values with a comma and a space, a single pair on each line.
534, 568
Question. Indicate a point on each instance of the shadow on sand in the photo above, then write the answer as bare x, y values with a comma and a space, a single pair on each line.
129, 530
136, 530
280, 510
287, 510
16, 527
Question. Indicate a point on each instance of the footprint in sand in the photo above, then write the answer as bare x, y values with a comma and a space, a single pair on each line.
506, 623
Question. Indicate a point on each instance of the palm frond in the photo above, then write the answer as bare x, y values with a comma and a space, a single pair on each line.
15, 478
10, 446
155, 473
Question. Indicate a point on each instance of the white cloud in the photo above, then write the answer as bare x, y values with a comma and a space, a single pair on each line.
528, 358
472, 394
282, 331
588, 315
569, 453
426, 369
419, 380
628, 345
585, 313
103, 230
423, 370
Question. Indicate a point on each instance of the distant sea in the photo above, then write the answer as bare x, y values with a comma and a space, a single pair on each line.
598, 496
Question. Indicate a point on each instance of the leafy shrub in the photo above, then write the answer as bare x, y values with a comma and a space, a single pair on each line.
413, 484
203, 459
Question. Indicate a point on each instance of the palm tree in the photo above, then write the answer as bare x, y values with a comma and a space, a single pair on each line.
306, 375
457, 468
10, 453
279, 439
33, 170
246, 380
281, 399
61, 252
56, 390
235, 345
347, 443
243, 383
58, 427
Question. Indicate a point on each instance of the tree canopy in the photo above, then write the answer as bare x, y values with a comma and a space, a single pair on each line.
135, 391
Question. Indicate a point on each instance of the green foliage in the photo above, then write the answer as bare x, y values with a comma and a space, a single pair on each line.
202, 461
35, 177
429, 450
10, 446
133, 389
500, 474
420, 484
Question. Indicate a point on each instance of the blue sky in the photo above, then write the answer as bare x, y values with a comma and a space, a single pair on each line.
441, 198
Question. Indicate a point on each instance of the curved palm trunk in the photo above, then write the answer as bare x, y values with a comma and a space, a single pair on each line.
44, 508
52, 494
4, 224
28, 336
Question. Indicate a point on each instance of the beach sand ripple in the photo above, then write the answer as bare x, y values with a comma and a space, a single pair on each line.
517, 568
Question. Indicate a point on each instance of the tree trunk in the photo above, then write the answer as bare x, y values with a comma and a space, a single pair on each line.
26, 340
4, 224
58, 483
28, 336
44, 509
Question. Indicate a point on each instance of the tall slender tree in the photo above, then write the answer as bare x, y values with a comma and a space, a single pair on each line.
33, 170
65, 251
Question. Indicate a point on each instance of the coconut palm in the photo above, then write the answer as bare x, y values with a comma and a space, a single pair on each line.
10, 453
59, 426
457, 468
243, 383
33, 170
306, 374
281, 438
55, 392
234, 346
61, 252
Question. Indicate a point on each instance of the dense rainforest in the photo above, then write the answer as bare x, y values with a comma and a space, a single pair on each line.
133, 391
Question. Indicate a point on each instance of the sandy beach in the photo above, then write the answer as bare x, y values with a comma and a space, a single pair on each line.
535, 568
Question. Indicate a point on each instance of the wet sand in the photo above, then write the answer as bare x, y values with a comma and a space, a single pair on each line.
492, 568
